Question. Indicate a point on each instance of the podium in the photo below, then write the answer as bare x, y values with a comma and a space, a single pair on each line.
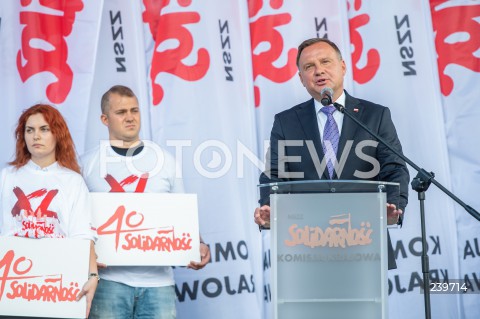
329, 248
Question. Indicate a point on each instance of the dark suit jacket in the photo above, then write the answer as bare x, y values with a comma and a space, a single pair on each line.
300, 123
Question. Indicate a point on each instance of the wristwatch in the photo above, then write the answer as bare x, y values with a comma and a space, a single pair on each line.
94, 274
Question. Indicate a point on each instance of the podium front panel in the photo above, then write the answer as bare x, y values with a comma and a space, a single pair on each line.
330, 255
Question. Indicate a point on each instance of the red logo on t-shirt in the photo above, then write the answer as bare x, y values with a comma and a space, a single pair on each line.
171, 27
23, 203
462, 50
264, 30
37, 223
365, 74
50, 29
117, 187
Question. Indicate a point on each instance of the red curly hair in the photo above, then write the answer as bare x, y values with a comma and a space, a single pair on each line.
65, 153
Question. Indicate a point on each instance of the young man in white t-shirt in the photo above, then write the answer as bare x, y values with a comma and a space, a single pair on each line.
133, 291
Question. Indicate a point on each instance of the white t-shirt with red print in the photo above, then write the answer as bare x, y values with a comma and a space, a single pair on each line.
50, 202
152, 170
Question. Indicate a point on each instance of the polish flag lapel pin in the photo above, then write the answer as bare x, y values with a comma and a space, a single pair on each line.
355, 110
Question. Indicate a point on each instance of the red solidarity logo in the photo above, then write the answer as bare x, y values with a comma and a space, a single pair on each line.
460, 52
117, 187
50, 290
171, 26
365, 74
264, 30
126, 225
34, 222
51, 29
23, 203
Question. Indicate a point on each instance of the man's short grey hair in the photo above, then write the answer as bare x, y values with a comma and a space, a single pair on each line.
116, 89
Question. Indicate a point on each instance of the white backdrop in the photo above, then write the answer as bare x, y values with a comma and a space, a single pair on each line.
405, 79
211, 74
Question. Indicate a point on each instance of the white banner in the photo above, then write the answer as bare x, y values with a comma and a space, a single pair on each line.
457, 46
120, 60
202, 109
393, 66
277, 30
42, 277
48, 55
10, 111
146, 228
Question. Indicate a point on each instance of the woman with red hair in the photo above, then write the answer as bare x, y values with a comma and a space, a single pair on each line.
42, 194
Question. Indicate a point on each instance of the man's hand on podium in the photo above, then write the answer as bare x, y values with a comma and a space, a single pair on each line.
393, 214
262, 216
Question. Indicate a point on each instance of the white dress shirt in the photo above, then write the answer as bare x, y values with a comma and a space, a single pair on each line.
337, 115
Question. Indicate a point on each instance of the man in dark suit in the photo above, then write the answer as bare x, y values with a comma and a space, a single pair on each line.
318, 131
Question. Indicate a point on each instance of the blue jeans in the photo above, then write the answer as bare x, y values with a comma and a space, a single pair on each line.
114, 300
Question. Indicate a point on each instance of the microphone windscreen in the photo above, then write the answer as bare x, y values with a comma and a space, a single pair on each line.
326, 95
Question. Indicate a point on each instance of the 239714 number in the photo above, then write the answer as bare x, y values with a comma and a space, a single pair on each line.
451, 287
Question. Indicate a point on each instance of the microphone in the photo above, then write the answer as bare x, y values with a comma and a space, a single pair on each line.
326, 95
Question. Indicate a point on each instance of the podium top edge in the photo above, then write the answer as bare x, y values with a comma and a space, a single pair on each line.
330, 182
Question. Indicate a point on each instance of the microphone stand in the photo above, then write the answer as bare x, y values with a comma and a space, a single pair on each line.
420, 184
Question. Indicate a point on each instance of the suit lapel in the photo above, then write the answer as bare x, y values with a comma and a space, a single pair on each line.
308, 119
349, 127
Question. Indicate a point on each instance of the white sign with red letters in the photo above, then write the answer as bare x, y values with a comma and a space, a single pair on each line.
42, 277
146, 229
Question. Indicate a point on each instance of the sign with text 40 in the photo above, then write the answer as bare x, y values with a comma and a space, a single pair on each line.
146, 228
42, 277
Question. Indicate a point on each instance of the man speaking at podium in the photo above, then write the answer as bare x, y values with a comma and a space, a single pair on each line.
321, 70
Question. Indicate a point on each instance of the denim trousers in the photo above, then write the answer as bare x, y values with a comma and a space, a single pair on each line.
114, 300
